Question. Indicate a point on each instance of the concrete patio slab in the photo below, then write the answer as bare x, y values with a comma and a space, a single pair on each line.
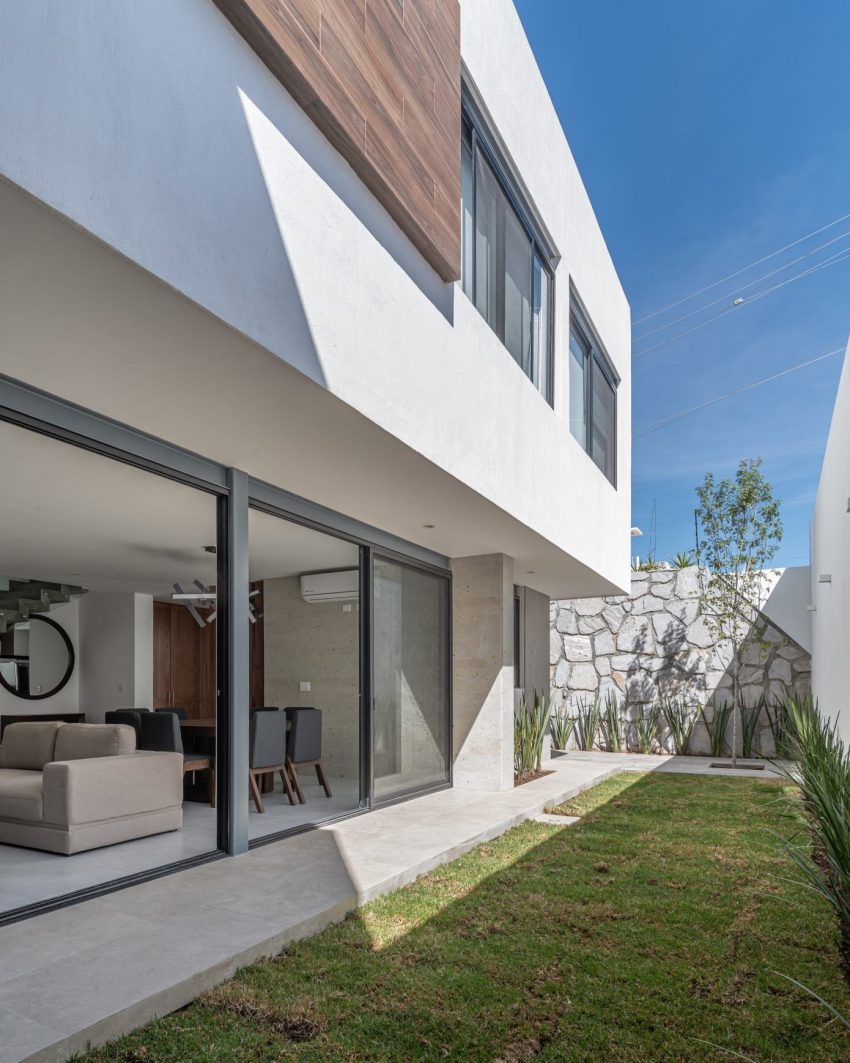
93, 971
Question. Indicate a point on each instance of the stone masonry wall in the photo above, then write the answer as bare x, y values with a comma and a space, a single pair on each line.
654, 642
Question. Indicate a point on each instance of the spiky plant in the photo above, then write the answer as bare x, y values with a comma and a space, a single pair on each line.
560, 728
530, 721
750, 718
716, 725
588, 721
612, 722
777, 719
680, 717
646, 727
683, 559
823, 776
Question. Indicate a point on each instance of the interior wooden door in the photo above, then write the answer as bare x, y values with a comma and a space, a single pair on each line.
186, 662
161, 655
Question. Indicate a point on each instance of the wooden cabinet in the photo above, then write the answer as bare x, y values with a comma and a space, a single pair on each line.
184, 672
184, 659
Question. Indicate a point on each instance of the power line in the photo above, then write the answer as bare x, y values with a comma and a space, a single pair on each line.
833, 260
665, 421
741, 288
743, 269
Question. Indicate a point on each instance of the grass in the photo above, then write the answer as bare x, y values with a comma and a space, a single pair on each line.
653, 926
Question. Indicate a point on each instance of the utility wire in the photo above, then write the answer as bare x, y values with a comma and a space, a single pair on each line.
743, 287
738, 272
654, 426
833, 260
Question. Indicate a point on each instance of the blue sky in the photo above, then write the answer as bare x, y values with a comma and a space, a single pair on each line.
709, 135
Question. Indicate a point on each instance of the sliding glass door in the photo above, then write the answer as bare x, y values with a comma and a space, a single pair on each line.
410, 650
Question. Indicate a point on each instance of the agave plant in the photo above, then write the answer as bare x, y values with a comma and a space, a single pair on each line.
588, 721
530, 722
560, 728
716, 726
612, 722
750, 717
823, 776
646, 727
681, 719
777, 718
683, 559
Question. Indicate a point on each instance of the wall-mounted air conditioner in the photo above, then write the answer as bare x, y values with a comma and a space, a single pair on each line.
341, 586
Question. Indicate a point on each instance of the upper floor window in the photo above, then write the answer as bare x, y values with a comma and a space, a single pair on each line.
593, 395
504, 268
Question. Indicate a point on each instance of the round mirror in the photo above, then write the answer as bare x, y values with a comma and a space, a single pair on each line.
36, 658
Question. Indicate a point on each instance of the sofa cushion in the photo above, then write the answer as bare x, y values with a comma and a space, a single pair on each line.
81, 741
28, 746
21, 794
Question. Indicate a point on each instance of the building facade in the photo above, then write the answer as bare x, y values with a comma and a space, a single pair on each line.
830, 567
314, 389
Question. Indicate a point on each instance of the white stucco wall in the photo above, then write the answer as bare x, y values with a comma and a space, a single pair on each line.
787, 600
830, 538
116, 653
155, 128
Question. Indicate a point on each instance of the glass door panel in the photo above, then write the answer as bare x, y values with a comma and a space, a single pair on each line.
410, 724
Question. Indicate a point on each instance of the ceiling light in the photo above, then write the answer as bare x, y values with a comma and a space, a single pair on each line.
428, 525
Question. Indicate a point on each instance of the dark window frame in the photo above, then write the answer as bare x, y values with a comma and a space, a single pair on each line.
474, 134
235, 493
594, 354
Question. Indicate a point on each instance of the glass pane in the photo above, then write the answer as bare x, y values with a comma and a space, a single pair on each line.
411, 654
467, 223
489, 245
578, 411
604, 399
304, 674
541, 329
107, 612
517, 290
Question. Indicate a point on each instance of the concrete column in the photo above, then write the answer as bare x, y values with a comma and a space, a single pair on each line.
483, 672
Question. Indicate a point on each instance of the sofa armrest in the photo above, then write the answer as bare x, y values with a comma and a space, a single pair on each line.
93, 789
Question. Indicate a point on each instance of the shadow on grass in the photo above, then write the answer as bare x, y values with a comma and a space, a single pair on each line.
650, 927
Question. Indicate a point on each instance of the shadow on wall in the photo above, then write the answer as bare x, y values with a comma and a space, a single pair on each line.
654, 643
295, 128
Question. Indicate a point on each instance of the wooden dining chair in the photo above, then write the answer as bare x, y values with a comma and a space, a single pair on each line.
267, 753
304, 747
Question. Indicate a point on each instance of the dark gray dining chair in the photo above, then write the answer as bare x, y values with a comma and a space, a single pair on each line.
126, 716
304, 747
160, 732
267, 752
181, 714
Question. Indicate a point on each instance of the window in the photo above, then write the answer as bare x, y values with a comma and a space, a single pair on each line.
504, 268
593, 396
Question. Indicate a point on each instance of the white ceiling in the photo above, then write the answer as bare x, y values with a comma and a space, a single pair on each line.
70, 516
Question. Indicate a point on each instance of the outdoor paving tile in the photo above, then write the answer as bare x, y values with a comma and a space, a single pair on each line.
21, 1037
164, 955
197, 927
55, 936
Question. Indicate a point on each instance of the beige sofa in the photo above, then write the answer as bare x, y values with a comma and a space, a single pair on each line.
75, 786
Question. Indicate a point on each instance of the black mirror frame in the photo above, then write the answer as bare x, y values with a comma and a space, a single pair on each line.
68, 671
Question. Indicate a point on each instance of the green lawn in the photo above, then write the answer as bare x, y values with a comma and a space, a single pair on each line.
654, 925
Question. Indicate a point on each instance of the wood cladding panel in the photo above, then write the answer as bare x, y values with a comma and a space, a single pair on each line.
381, 79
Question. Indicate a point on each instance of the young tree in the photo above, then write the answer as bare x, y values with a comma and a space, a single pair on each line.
741, 530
